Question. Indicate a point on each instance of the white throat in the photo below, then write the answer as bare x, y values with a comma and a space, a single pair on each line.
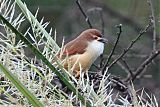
93, 51
95, 48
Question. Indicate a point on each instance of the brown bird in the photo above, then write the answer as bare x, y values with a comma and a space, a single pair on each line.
81, 52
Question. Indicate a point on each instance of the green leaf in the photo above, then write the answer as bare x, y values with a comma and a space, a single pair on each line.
43, 58
31, 98
32, 19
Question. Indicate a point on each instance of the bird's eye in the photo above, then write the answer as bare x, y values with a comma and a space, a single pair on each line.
95, 37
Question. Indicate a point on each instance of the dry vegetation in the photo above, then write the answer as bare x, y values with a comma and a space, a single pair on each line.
36, 73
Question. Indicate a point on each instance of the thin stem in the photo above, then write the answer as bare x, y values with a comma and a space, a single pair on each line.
154, 24
145, 63
131, 44
112, 52
84, 14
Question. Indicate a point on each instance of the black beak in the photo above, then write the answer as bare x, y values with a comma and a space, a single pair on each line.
103, 40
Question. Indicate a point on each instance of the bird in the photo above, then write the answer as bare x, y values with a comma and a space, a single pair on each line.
80, 53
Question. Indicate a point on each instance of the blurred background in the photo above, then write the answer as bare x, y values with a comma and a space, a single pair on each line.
67, 19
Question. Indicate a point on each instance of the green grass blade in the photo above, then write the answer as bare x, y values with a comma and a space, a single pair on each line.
31, 98
32, 19
40, 56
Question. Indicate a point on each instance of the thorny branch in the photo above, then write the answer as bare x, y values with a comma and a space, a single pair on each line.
112, 52
84, 14
131, 44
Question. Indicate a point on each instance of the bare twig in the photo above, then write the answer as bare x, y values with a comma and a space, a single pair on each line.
145, 64
122, 17
131, 44
154, 24
118, 33
119, 85
90, 25
84, 14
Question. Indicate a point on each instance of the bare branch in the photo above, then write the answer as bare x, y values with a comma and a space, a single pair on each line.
112, 52
122, 17
131, 44
145, 64
154, 24
118, 84
84, 14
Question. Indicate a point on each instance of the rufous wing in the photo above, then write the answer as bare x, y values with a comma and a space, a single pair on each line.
75, 47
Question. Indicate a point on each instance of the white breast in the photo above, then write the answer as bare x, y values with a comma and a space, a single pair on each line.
95, 48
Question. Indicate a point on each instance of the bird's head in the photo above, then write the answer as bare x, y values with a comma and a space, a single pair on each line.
92, 41
92, 35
